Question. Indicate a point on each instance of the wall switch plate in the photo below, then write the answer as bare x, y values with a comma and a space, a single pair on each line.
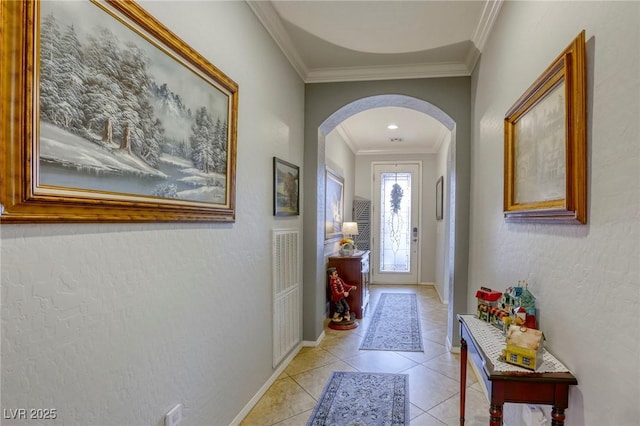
174, 416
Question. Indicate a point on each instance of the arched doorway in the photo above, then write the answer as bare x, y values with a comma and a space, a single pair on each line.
385, 100
326, 106
408, 241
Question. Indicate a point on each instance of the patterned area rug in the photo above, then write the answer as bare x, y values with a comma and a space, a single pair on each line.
363, 399
395, 325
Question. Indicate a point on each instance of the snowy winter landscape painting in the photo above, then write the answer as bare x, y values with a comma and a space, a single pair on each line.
125, 117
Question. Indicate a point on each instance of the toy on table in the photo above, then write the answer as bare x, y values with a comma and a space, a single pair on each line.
525, 347
487, 301
515, 306
520, 304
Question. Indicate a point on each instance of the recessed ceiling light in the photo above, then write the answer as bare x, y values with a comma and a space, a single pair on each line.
392, 126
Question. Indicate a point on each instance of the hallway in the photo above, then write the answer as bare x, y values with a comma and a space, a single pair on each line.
433, 374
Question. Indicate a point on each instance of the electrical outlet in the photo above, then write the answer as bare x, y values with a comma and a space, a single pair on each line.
174, 416
533, 415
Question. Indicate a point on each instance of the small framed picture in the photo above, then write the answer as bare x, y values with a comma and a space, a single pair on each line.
286, 188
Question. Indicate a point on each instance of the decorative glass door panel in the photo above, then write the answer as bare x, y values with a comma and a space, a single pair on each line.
395, 223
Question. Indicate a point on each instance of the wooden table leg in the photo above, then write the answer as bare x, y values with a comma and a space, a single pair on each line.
557, 416
495, 413
463, 378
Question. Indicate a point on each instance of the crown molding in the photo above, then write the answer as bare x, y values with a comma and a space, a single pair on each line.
483, 29
347, 138
440, 138
472, 59
270, 20
267, 15
394, 72
485, 23
395, 150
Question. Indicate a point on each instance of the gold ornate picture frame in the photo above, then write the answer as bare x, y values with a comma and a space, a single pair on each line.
545, 145
107, 116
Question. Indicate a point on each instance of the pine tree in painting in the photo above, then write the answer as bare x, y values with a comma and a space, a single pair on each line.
201, 138
220, 147
70, 81
49, 66
102, 92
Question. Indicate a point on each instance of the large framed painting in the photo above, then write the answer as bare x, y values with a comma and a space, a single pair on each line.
334, 205
108, 116
286, 188
545, 147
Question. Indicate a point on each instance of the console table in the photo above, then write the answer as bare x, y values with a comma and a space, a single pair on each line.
548, 385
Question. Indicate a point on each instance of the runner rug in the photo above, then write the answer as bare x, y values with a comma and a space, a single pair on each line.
370, 399
395, 325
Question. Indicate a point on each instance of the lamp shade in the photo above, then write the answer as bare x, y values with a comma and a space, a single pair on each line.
350, 228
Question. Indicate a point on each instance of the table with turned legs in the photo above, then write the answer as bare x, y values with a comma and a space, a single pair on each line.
482, 343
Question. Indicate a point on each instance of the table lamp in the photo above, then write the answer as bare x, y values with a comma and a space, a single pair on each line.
349, 229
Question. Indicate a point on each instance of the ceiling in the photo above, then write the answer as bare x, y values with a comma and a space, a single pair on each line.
329, 41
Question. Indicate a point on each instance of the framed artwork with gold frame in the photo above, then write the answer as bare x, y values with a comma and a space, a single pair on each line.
545, 145
108, 116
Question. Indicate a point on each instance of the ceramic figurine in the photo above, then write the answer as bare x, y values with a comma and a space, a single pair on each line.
487, 301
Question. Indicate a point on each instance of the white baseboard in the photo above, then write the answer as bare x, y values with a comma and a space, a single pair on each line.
252, 403
435, 287
283, 365
451, 348
444, 302
478, 374
312, 343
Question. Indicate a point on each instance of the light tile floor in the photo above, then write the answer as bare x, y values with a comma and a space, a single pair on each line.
434, 375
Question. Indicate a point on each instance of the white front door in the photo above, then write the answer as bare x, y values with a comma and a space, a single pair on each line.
396, 213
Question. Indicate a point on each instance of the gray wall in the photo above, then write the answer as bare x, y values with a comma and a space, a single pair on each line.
114, 324
586, 277
451, 95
